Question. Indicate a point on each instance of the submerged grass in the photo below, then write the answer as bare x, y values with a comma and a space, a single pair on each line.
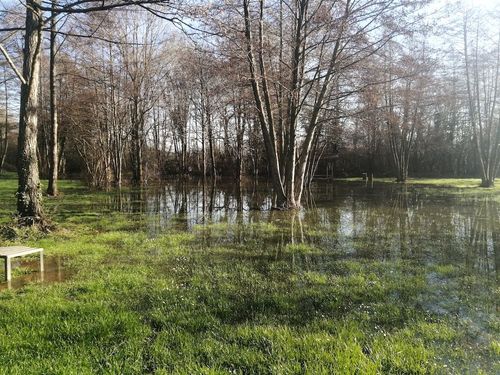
229, 299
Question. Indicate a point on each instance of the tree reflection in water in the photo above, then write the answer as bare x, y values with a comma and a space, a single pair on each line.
355, 220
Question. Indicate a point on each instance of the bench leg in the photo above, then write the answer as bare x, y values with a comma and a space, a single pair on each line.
41, 262
8, 269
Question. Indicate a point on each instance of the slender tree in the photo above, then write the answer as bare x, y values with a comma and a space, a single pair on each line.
482, 72
4, 140
54, 122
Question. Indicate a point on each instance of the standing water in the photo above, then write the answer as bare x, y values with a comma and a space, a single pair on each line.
383, 256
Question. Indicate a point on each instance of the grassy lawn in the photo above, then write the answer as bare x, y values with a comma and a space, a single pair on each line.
438, 182
450, 182
461, 187
197, 303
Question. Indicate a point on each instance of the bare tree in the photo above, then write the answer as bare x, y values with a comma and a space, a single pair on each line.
29, 202
325, 40
54, 131
404, 95
4, 133
482, 71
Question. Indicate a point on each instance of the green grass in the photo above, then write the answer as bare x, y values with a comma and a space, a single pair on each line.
462, 183
447, 182
198, 303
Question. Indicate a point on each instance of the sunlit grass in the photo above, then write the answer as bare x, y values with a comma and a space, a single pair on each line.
436, 182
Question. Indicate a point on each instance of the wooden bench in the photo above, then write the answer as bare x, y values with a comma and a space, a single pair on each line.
9, 252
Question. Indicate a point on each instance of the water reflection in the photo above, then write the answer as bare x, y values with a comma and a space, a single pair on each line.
375, 221
483, 233
27, 271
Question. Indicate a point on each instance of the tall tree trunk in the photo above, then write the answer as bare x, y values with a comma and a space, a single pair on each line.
54, 152
29, 200
211, 146
137, 135
240, 129
5, 140
265, 118
203, 153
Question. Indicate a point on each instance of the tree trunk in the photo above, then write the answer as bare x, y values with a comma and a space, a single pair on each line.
5, 140
203, 153
240, 128
29, 200
137, 134
265, 120
211, 146
53, 153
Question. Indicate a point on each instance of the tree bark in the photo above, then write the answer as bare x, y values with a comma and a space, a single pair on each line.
29, 200
213, 168
137, 140
265, 122
52, 188
5, 140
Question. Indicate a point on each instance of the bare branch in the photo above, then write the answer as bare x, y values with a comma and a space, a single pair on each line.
12, 65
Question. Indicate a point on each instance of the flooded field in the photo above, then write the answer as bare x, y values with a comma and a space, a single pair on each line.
376, 277
357, 220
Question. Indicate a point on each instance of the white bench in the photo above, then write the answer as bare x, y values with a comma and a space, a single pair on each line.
9, 252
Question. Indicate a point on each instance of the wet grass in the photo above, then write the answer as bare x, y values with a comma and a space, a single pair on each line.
239, 299
463, 185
